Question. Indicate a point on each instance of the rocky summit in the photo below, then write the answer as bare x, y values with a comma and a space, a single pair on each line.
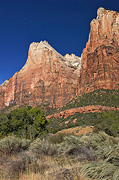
100, 58
50, 79
47, 78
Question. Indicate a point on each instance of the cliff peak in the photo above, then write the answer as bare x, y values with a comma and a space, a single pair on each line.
46, 78
100, 58
37, 50
40, 44
73, 61
50, 79
5, 83
102, 11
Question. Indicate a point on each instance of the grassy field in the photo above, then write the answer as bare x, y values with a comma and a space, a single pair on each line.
60, 157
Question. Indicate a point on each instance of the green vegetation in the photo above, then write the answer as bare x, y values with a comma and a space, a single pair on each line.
95, 156
12, 144
26, 146
106, 165
30, 122
87, 119
102, 97
24, 122
106, 121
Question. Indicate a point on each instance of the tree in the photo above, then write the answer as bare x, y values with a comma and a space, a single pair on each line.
24, 122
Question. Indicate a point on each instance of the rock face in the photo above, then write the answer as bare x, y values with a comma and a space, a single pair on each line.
100, 58
73, 61
86, 109
47, 78
3, 87
51, 79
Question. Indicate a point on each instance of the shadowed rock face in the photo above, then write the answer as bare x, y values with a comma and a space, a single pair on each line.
3, 87
46, 79
50, 79
100, 58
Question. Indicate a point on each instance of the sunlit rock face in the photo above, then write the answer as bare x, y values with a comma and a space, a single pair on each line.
3, 87
73, 61
50, 79
100, 58
46, 78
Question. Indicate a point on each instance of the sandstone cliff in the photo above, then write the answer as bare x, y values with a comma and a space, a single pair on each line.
100, 58
51, 79
3, 87
47, 78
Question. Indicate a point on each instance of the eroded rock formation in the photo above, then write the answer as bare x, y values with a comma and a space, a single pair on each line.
46, 78
73, 61
100, 58
86, 109
51, 79
3, 87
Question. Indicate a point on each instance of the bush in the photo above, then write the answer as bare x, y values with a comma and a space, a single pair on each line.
108, 122
101, 170
43, 147
107, 151
57, 138
13, 144
12, 168
69, 143
75, 146
24, 122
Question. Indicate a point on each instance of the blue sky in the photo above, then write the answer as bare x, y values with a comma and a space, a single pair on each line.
65, 24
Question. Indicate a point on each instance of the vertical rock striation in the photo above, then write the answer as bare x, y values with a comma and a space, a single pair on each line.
100, 58
46, 79
50, 79
3, 87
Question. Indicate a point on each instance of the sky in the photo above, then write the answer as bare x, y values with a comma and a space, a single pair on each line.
65, 24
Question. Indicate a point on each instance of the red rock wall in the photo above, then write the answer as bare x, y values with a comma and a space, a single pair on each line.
2, 92
45, 79
86, 109
100, 58
49, 79
3, 87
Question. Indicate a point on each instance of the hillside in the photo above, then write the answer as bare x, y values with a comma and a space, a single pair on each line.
88, 110
103, 97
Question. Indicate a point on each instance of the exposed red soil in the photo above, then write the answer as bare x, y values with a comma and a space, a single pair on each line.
86, 109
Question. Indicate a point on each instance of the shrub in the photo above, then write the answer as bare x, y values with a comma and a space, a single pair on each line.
100, 170
108, 122
74, 146
57, 138
12, 168
107, 151
13, 144
39, 147
24, 122
68, 143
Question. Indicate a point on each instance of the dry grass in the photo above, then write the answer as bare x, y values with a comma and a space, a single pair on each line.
33, 176
45, 168
77, 130
55, 170
39, 163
